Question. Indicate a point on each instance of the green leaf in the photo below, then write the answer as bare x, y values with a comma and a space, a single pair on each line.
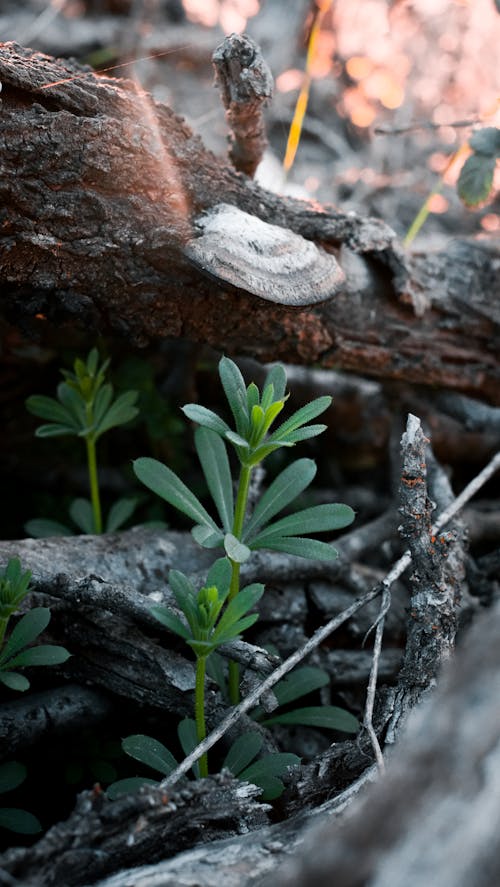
81, 513
206, 537
186, 731
120, 512
162, 481
45, 654
14, 681
266, 772
151, 752
299, 683
14, 586
41, 528
171, 621
257, 417
121, 411
328, 716
306, 433
236, 609
277, 378
26, 631
236, 550
476, 178
55, 431
228, 633
19, 821
12, 774
305, 414
185, 596
486, 141
204, 417
312, 549
242, 752
252, 397
317, 519
129, 786
74, 403
51, 409
219, 575
102, 401
236, 393
263, 451
237, 440
283, 490
213, 458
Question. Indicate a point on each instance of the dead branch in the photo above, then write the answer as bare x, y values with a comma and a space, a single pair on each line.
112, 211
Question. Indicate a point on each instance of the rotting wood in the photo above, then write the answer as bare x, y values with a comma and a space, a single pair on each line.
101, 193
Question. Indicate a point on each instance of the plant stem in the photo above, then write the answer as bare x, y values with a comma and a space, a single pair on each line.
3, 626
239, 516
94, 484
199, 709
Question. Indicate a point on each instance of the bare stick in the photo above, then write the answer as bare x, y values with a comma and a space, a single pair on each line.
253, 698
372, 682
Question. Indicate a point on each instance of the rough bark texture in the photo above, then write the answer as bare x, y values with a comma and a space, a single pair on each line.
101, 192
434, 817
102, 836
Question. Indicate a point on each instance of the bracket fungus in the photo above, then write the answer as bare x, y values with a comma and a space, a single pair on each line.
264, 260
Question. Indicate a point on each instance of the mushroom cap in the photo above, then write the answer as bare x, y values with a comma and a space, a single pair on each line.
264, 260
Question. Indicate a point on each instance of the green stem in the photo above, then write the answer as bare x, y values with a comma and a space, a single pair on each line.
239, 516
94, 484
199, 710
3, 626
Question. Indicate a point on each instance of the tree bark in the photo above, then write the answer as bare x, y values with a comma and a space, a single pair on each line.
109, 205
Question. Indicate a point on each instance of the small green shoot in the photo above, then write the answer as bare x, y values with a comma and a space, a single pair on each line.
254, 413
208, 624
13, 774
14, 586
85, 408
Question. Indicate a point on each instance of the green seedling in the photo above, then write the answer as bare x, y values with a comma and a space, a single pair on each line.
265, 772
85, 408
207, 625
238, 532
13, 774
14, 586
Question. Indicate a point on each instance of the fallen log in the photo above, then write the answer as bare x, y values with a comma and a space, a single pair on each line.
115, 217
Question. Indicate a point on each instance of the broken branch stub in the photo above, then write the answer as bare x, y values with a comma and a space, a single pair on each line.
246, 84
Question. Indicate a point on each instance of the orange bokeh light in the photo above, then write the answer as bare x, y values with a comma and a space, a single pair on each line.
491, 222
438, 204
289, 80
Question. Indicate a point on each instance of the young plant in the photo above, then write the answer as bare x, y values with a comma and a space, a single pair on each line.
85, 408
240, 533
14, 586
13, 774
207, 625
